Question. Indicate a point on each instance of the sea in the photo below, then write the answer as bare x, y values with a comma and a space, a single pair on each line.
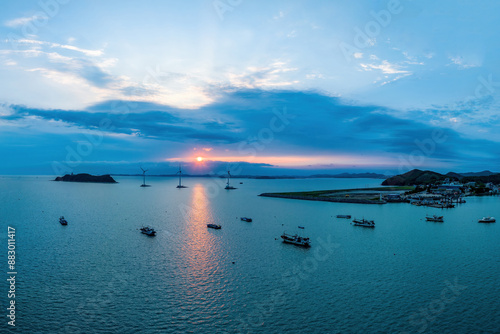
99, 274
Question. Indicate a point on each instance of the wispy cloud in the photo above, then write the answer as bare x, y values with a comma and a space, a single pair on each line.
463, 63
87, 52
21, 21
385, 66
264, 77
279, 16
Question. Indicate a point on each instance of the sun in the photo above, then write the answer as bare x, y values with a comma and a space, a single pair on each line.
199, 159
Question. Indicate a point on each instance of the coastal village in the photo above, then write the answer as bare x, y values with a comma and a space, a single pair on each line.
444, 194
442, 191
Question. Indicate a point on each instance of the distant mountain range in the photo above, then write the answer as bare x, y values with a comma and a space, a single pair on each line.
351, 176
417, 176
315, 176
483, 173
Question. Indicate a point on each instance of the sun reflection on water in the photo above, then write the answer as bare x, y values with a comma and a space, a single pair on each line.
203, 246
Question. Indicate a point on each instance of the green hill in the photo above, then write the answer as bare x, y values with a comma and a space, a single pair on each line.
414, 177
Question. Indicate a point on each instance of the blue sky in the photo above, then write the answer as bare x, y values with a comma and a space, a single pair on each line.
282, 87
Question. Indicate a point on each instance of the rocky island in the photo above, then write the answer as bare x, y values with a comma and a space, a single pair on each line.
86, 178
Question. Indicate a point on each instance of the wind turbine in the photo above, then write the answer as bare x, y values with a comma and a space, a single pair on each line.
228, 187
144, 178
180, 176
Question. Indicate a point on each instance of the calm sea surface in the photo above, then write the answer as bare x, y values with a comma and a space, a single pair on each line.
99, 274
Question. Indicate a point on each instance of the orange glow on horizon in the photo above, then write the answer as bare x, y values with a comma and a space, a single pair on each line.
302, 161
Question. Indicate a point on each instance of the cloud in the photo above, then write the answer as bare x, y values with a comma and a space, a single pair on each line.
385, 67
87, 52
307, 125
463, 63
152, 124
5, 110
279, 16
21, 21
56, 61
271, 76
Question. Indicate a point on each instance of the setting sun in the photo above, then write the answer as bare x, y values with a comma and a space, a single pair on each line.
199, 159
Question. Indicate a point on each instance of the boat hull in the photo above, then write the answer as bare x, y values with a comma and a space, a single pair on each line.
296, 243
296, 240
364, 223
214, 226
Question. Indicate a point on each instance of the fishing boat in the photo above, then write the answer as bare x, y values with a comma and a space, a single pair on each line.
215, 226
434, 218
344, 216
295, 240
63, 221
246, 219
148, 231
301, 227
487, 220
363, 222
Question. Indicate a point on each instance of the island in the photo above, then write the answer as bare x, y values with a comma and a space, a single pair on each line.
86, 178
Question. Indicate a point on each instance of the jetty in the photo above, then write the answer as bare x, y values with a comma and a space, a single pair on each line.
360, 195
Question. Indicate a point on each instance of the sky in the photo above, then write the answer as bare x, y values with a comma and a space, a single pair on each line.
258, 87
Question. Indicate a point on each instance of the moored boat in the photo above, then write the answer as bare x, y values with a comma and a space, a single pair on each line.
148, 231
215, 226
487, 220
344, 216
434, 218
63, 221
246, 219
296, 240
363, 222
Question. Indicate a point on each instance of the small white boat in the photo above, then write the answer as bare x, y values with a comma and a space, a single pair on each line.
363, 222
296, 240
487, 220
